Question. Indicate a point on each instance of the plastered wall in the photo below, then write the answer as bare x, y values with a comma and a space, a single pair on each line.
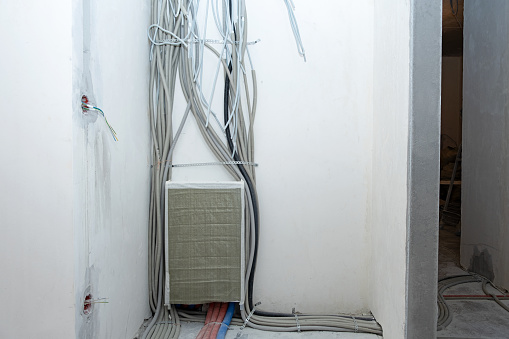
313, 135
331, 141
36, 209
485, 195
391, 80
111, 179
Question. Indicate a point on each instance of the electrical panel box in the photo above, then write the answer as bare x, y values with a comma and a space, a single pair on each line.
205, 259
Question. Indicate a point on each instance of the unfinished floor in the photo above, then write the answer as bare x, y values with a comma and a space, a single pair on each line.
190, 331
471, 318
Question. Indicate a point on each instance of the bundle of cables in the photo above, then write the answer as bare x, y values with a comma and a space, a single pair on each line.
444, 313
178, 48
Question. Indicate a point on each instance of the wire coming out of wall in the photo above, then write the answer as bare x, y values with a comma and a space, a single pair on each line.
178, 48
86, 107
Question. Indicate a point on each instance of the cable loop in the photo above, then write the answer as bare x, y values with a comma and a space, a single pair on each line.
247, 320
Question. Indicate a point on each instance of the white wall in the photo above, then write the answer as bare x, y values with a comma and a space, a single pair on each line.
61, 168
389, 172
452, 82
36, 245
111, 179
485, 169
313, 143
332, 188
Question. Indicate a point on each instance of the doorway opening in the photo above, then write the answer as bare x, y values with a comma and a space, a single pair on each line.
472, 264
451, 138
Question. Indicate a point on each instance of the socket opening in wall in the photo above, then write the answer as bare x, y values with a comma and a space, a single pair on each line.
87, 304
84, 102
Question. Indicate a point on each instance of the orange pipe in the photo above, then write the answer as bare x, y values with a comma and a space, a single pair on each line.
211, 309
215, 313
219, 320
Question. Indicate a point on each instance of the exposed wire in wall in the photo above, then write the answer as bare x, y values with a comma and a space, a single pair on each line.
89, 302
96, 301
295, 27
87, 107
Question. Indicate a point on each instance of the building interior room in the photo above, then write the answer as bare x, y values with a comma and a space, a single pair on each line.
472, 264
254, 169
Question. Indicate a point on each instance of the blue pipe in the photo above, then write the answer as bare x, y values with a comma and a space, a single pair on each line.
226, 322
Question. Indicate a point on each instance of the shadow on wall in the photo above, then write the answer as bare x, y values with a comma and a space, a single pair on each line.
481, 263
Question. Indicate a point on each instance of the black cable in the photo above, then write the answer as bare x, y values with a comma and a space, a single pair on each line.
249, 183
454, 12
242, 170
454, 276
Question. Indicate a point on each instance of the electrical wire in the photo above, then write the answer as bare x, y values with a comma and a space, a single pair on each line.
87, 107
455, 12
444, 314
295, 27
177, 52
474, 297
497, 300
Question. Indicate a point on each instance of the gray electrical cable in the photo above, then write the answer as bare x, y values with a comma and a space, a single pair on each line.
444, 314
178, 48
165, 324
295, 28
462, 298
497, 300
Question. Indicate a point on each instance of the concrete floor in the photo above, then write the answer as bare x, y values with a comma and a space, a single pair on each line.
190, 331
471, 318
